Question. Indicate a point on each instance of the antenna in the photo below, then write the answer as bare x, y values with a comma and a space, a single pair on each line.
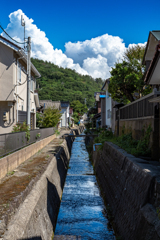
23, 25
22, 21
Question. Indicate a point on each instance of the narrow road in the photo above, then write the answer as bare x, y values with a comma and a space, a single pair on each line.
82, 212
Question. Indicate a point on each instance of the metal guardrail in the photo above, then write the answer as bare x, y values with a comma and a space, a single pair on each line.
11, 142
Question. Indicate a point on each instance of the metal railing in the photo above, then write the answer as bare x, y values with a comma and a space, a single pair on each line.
11, 142
138, 109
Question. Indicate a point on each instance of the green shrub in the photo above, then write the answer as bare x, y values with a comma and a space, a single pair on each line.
57, 132
88, 125
135, 147
51, 117
22, 127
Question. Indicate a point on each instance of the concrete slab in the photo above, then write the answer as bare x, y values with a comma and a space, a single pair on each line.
66, 237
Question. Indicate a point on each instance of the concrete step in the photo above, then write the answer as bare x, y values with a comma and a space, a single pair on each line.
66, 237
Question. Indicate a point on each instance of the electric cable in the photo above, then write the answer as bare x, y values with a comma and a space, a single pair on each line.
11, 37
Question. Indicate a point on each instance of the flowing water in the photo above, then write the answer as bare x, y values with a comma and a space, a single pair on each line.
82, 212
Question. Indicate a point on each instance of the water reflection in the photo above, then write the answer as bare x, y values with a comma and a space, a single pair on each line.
82, 212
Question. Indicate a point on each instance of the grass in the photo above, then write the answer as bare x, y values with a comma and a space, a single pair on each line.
10, 173
125, 141
57, 132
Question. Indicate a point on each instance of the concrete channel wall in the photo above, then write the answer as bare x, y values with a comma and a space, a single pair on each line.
131, 186
37, 215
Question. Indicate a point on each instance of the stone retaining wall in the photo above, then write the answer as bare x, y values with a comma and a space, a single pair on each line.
37, 215
131, 186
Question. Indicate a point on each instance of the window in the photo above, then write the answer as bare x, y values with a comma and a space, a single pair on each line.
22, 106
108, 113
32, 85
19, 72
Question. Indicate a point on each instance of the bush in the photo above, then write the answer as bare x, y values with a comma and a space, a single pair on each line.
22, 127
135, 147
50, 117
88, 125
39, 119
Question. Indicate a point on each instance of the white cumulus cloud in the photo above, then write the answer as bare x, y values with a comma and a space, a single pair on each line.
98, 67
94, 57
109, 47
41, 47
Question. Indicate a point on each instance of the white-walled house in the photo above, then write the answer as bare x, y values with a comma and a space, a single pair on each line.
65, 114
13, 87
109, 107
152, 42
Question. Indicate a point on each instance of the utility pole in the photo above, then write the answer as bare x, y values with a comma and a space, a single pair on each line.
23, 25
28, 80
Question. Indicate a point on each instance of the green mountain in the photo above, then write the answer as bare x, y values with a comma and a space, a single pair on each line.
57, 83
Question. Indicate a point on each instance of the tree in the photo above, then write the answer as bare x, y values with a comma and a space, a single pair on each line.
126, 82
59, 84
78, 107
51, 117
76, 117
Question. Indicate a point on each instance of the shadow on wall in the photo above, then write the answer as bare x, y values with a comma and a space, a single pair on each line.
32, 238
62, 166
53, 202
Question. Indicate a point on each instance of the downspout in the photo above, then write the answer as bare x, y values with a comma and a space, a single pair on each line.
17, 88
17, 95
35, 119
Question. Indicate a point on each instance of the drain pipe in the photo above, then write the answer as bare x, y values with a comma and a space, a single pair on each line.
96, 144
17, 84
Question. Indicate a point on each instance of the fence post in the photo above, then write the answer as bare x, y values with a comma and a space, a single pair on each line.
5, 143
118, 122
155, 133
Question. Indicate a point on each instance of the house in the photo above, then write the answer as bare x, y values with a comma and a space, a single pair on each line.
153, 40
153, 73
71, 119
152, 77
101, 106
110, 111
13, 87
44, 104
65, 114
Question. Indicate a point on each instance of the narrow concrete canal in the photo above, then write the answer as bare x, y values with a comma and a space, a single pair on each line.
82, 212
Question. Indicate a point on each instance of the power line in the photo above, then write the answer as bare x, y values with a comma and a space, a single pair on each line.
10, 36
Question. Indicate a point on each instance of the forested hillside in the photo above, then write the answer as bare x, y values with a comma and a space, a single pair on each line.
57, 83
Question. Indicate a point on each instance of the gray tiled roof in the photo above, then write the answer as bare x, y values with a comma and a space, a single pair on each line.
64, 104
50, 103
156, 34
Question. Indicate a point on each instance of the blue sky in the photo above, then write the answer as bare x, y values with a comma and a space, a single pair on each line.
73, 21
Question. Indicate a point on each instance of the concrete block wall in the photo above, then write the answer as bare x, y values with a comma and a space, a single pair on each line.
12, 161
131, 186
